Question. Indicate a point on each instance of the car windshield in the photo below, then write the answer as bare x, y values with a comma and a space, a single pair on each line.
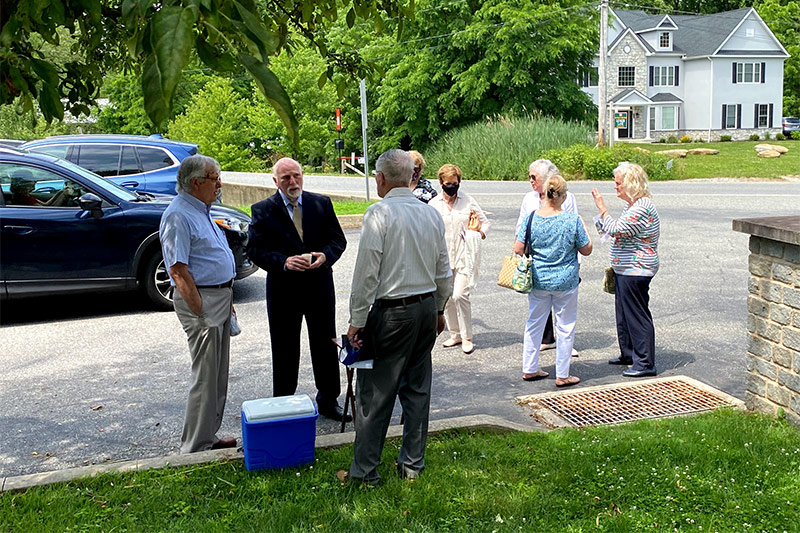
103, 183
792, 120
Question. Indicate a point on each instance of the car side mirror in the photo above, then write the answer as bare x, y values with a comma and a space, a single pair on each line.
93, 203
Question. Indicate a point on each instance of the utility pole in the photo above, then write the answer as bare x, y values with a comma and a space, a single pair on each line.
363, 91
601, 75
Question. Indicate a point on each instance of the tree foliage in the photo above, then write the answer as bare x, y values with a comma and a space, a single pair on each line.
160, 39
217, 119
461, 61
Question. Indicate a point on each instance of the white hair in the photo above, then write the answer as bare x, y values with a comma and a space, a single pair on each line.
194, 167
544, 168
396, 166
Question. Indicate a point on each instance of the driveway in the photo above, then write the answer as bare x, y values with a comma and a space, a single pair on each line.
103, 378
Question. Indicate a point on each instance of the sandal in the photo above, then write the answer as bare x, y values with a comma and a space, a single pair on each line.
567, 381
539, 374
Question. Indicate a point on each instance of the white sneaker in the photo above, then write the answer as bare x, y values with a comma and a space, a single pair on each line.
452, 341
544, 347
575, 353
467, 346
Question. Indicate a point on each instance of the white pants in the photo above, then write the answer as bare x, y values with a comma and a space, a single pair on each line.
565, 311
458, 310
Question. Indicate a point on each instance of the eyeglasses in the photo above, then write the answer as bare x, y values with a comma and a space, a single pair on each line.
417, 169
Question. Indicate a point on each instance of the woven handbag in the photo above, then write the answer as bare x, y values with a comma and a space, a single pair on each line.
609, 281
510, 263
510, 276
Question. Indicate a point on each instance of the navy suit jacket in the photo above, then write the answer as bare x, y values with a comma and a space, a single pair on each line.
273, 238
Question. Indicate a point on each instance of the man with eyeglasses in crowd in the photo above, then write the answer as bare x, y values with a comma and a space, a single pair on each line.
201, 268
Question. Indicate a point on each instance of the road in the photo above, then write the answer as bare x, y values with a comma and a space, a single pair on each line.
101, 378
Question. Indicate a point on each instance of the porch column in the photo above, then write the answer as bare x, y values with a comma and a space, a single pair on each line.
647, 122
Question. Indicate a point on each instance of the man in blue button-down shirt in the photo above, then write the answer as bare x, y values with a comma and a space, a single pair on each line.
201, 268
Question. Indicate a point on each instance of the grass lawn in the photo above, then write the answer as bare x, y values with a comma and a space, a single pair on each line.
340, 208
722, 471
735, 160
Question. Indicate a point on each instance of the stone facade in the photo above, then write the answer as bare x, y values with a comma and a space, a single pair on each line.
773, 322
702, 135
635, 58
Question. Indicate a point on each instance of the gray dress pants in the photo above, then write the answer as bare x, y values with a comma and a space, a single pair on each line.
209, 336
403, 337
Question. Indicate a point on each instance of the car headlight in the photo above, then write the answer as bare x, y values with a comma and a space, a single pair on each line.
233, 224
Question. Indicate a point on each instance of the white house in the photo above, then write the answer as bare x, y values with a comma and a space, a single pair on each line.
698, 75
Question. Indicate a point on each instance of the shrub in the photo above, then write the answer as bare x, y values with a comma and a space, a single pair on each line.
724, 138
570, 160
672, 139
663, 140
217, 120
502, 147
686, 139
780, 137
796, 135
600, 163
767, 136
754, 137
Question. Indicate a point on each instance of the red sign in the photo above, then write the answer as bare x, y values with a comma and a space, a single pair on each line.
338, 120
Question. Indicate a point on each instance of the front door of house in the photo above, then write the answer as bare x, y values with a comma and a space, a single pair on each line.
627, 131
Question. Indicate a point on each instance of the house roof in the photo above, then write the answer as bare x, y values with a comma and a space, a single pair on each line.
697, 35
665, 97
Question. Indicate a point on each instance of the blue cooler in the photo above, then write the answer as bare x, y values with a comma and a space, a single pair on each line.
279, 432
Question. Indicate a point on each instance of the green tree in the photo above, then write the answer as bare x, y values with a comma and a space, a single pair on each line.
217, 120
314, 108
461, 61
126, 113
160, 38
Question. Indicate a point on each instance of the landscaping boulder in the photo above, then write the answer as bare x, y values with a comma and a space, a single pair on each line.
703, 151
769, 153
773, 147
674, 153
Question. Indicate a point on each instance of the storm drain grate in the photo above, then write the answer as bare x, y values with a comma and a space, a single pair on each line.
626, 403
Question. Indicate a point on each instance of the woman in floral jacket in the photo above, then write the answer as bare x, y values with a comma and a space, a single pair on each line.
634, 258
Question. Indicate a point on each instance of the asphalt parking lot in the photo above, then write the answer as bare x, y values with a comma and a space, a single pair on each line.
98, 378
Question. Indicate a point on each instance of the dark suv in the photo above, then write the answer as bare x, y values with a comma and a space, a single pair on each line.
65, 229
146, 164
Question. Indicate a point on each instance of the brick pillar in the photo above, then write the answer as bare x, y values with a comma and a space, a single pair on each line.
773, 321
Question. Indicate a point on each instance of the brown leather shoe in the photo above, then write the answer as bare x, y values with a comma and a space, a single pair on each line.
224, 442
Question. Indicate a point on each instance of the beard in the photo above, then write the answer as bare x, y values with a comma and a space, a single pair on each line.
294, 193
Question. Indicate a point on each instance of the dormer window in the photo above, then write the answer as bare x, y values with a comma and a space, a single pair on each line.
663, 39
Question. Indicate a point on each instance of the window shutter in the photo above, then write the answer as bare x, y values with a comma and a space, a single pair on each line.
651, 77
769, 124
738, 116
763, 72
733, 77
724, 115
677, 76
755, 116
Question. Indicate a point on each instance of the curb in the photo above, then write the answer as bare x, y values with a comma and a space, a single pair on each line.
20, 483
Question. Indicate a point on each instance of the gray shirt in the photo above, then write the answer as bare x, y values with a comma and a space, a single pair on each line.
189, 236
402, 252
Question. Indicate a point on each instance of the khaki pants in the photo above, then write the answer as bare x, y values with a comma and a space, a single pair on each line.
209, 348
458, 310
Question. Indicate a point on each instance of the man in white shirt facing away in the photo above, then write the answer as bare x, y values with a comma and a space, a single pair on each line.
401, 283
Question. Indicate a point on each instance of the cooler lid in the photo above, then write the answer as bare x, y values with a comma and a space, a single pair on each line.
280, 407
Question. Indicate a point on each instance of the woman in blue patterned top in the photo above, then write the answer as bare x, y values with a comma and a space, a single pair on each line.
634, 258
556, 238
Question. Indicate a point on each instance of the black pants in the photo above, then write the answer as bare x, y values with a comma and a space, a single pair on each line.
635, 330
286, 308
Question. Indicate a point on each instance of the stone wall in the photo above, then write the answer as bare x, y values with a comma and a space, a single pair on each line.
773, 322
635, 58
702, 135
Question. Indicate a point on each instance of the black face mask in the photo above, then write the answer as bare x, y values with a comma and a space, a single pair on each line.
450, 189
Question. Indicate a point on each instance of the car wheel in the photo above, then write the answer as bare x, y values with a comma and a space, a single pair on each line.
155, 281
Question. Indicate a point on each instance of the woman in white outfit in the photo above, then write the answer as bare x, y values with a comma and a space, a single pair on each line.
539, 172
554, 240
465, 226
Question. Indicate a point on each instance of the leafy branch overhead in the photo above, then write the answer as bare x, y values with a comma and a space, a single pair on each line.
161, 38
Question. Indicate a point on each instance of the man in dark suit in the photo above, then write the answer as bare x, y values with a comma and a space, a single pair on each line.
296, 237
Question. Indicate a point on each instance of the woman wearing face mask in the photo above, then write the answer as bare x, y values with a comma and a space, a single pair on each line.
465, 226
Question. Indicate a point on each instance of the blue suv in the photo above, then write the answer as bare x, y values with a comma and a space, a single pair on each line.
146, 164
64, 229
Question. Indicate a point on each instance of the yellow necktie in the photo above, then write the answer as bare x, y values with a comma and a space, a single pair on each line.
297, 218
